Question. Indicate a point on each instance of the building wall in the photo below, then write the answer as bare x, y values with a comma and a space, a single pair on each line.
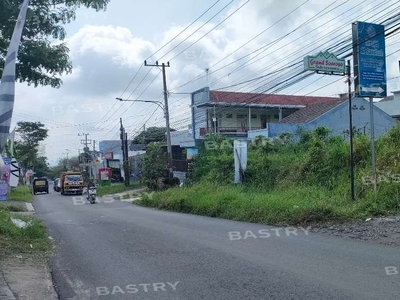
276, 129
391, 107
183, 138
111, 146
338, 119
224, 121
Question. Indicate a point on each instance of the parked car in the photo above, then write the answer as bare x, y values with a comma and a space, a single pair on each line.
40, 185
56, 186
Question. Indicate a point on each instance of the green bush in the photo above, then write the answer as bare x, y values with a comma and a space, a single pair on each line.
21, 193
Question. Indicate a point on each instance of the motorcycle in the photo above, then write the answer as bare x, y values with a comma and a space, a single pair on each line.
91, 194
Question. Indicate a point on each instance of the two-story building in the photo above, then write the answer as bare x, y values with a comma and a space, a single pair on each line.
235, 114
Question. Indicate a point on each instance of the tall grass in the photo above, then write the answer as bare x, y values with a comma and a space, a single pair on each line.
289, 182
21, 193
32, 239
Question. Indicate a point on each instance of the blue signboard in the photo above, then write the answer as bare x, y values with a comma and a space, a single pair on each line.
369, 59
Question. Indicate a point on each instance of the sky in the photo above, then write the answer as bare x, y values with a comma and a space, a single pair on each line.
238, 40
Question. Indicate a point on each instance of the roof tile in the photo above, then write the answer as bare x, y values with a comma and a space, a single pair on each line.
242, 98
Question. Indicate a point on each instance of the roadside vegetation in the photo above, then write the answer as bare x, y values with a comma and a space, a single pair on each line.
15, 240
117, 188
290, 181
21, 193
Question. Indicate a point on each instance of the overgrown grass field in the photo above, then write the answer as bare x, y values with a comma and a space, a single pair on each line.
290, 182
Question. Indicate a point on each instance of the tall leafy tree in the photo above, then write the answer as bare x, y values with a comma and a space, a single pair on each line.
151, 135
41, 167
155, 165
41, 61
30, 134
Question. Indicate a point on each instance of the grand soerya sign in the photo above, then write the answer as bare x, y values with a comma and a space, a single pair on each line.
325, 62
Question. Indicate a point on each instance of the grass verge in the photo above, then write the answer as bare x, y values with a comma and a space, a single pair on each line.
117, 188
294, 206
20, 193
13, 208
14, 240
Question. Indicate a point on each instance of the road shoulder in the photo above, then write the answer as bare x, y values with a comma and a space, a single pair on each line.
27, 276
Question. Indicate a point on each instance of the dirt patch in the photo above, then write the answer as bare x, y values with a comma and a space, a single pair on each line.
28, 277
384, 231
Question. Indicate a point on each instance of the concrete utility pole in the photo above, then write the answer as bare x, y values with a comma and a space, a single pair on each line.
86, 142
371, 108
124, 148
166, 114
127, 169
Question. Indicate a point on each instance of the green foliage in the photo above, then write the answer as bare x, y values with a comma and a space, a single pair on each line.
214, 162
155, 165
63, 165
30, 134
20, 193
288, 182
33, 238
41, 167
40, 60
151, 135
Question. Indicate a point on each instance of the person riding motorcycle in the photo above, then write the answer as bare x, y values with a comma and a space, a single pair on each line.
90, 187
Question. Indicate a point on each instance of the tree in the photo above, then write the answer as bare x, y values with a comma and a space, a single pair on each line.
155, 165
41, 167
151, 135
30, 134
40, 61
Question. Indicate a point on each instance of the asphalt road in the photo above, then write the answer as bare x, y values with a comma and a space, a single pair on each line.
121, 251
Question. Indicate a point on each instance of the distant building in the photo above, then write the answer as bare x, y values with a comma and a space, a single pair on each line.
334, 116
391, 105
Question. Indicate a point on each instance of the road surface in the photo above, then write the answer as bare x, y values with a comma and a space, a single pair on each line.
121, 251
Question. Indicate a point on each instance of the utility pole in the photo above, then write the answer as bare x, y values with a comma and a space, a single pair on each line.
144, 133
124, 148
127, 169
86, 152
166, 114
371, 108
348, 69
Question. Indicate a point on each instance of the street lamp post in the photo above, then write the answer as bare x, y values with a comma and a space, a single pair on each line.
168, 129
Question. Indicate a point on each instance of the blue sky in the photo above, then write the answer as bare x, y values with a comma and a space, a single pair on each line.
108, 49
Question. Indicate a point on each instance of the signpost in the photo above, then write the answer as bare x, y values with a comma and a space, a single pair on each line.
325, 63
370, 70
329, 64
369, 59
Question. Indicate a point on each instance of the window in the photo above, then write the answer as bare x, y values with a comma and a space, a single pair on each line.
241, 116
253, 116
229, 116
276, 116
73, 177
